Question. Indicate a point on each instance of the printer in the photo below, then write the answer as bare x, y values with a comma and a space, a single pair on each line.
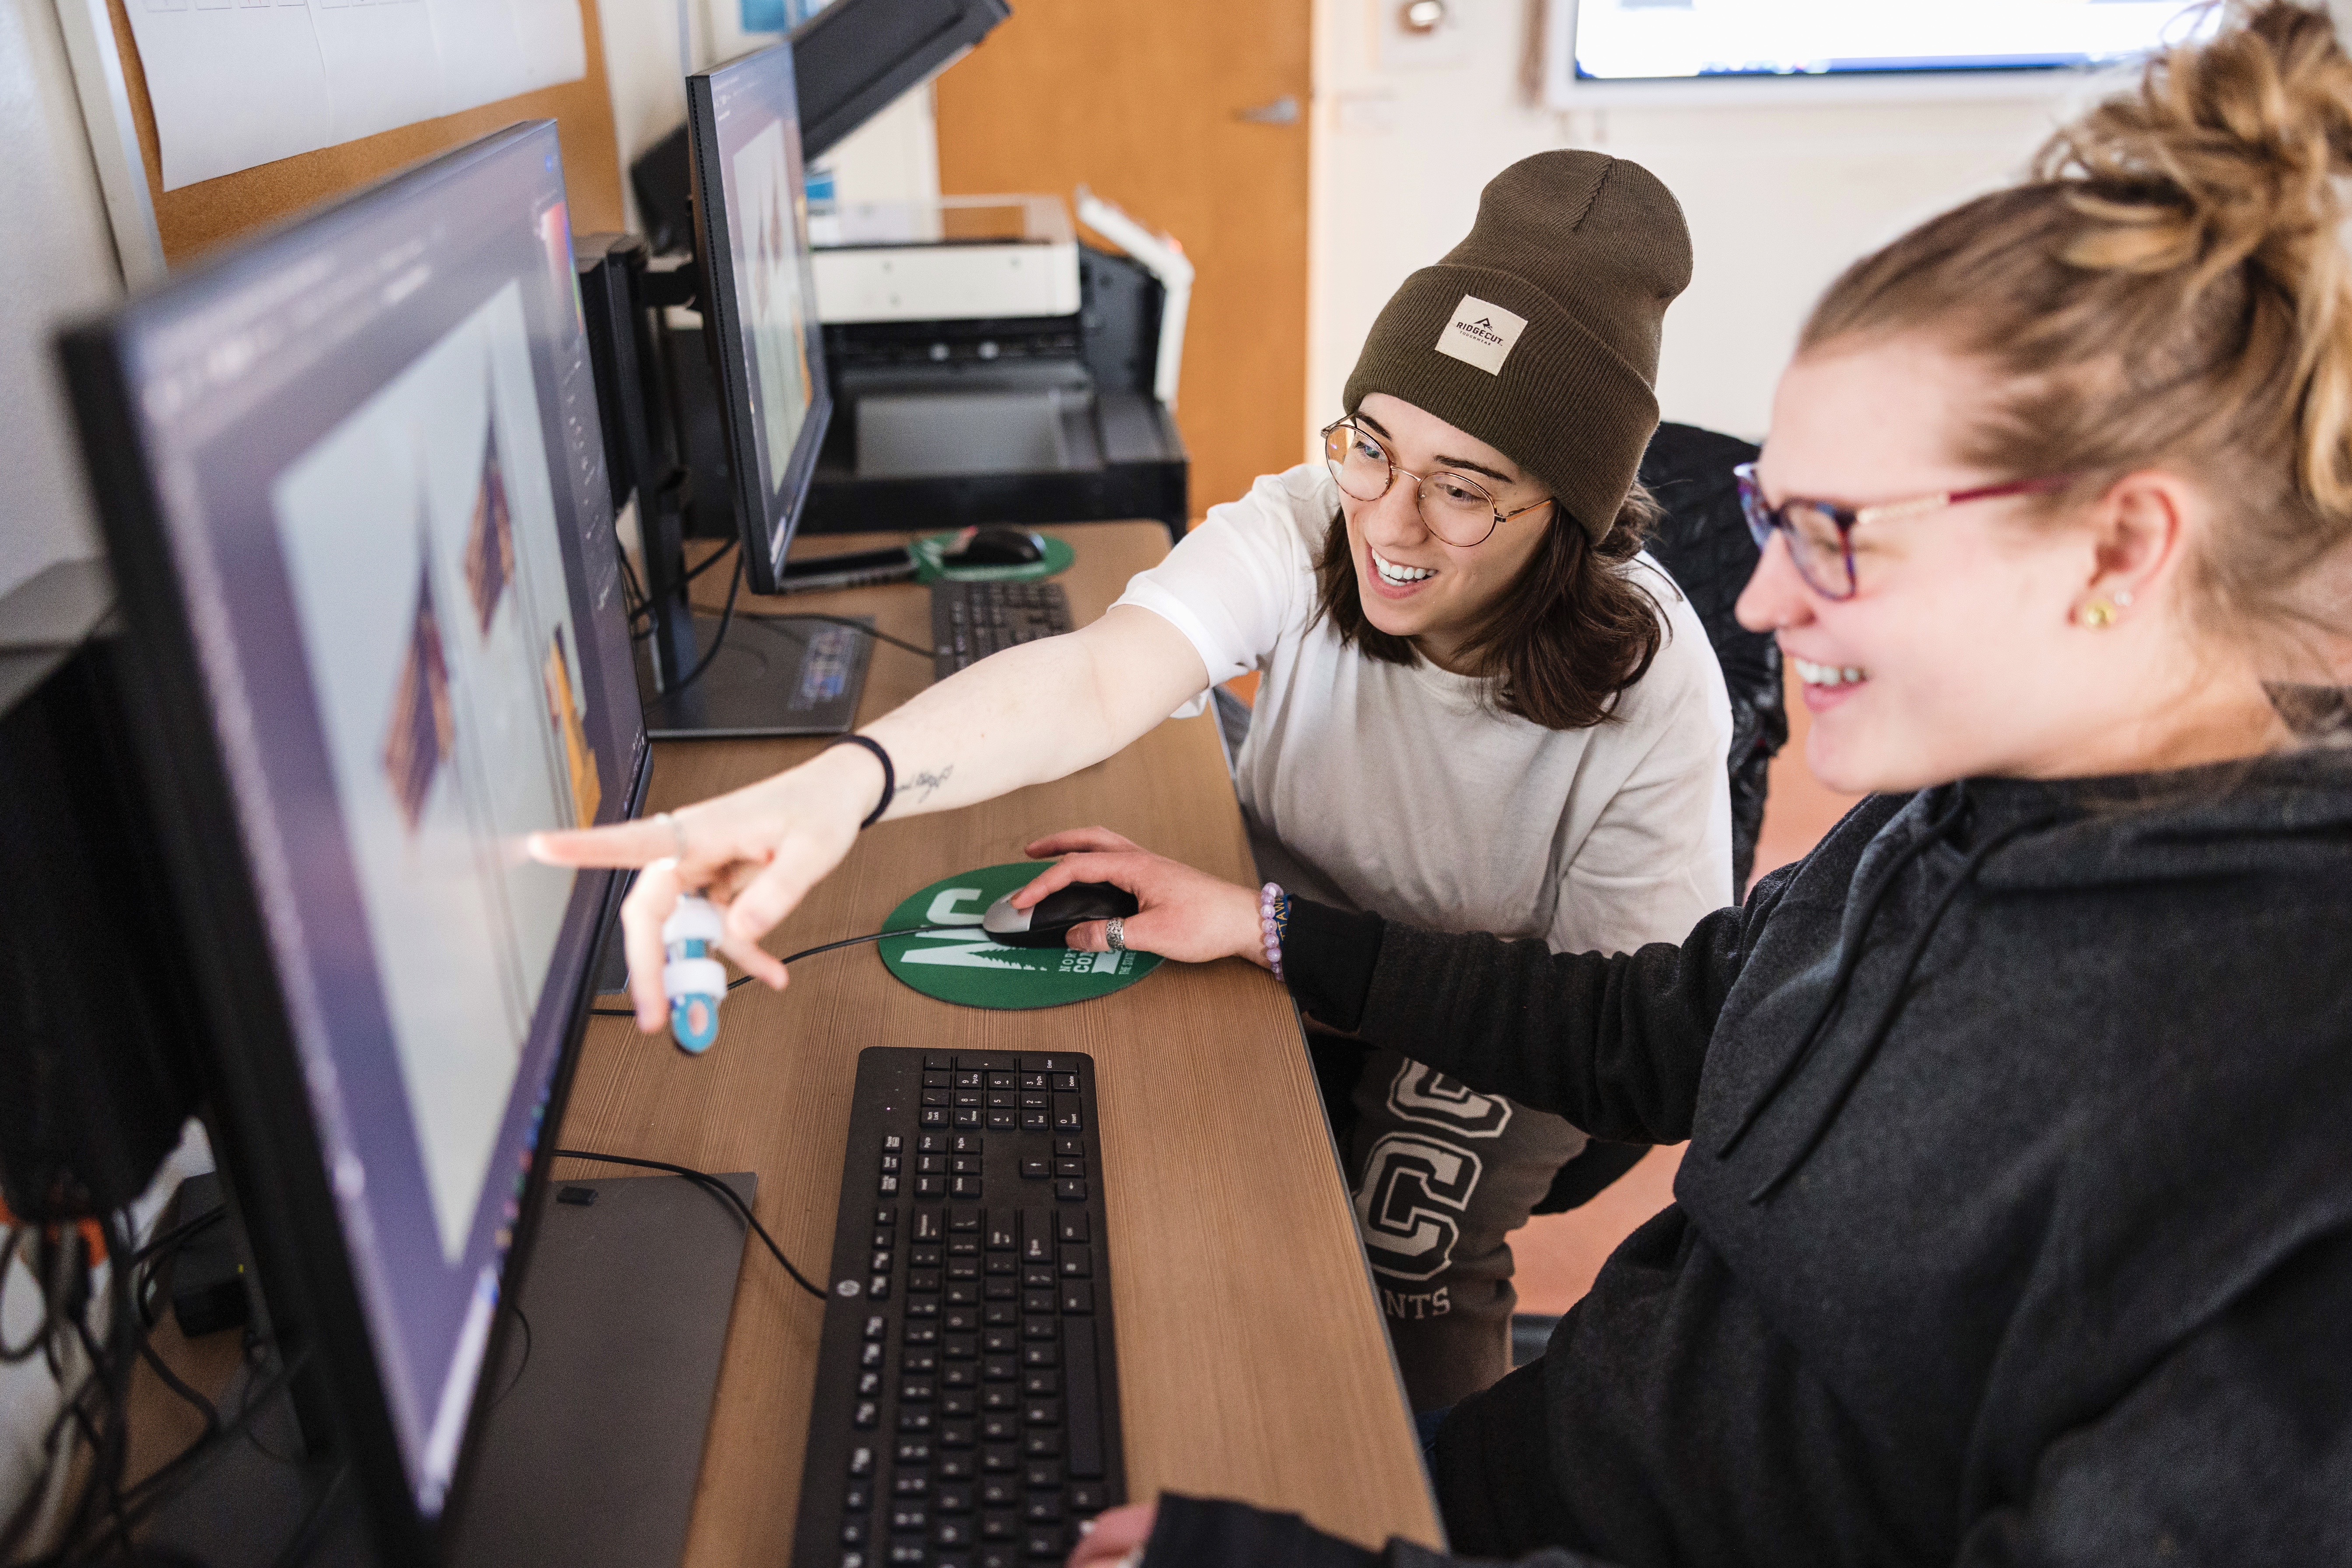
985, 366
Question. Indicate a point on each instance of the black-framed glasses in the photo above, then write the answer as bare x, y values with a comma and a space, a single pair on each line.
1821, 533
1455, 506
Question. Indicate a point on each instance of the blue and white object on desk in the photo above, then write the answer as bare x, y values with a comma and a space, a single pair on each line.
695, 982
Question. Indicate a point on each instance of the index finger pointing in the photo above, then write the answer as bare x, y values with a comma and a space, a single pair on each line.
623, 844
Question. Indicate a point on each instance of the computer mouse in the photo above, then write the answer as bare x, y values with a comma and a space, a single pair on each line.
996, 547
1048, 921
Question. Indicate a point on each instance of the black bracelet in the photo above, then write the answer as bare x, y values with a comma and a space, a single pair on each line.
889, 774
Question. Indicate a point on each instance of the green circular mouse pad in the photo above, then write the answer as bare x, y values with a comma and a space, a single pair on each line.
968, 969
930, 568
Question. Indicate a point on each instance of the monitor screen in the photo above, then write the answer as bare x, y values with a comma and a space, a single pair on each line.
760, 295
375, 497
1633, 40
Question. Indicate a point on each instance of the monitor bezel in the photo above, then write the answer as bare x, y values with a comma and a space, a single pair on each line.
764, 548
249, 1066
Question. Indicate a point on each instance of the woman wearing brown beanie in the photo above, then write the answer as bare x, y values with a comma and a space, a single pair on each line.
2016, 1226
1482, 708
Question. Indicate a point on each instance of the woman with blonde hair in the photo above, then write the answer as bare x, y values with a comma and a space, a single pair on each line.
2016, 1224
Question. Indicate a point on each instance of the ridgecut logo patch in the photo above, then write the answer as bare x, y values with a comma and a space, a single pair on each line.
1481, 334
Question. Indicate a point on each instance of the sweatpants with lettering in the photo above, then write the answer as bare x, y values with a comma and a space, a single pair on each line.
1441, 1177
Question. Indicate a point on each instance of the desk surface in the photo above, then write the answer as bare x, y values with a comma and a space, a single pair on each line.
1252, 1359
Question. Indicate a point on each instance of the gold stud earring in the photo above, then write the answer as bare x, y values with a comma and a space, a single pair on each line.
2097, 615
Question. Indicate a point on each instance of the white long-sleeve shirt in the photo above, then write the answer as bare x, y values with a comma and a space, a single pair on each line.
1404, 791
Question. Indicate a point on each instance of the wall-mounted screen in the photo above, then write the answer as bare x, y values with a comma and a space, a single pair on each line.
1682, 40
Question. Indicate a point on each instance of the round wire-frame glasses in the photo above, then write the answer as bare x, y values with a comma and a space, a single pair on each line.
1821, 533
1455, 506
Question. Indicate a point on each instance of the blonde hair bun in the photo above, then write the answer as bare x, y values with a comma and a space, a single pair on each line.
2229, 151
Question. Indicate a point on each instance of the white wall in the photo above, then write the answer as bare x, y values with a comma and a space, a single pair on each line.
1779, 199
61, 263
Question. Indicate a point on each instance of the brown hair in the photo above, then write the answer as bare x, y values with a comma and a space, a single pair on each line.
1573, 632
2166, 288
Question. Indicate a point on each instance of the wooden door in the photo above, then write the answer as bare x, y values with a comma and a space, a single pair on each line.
1142, 101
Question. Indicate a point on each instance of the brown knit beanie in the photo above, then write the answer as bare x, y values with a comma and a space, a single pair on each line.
1538, 334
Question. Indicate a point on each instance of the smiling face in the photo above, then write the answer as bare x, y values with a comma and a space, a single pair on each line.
1412, 584
1966, 650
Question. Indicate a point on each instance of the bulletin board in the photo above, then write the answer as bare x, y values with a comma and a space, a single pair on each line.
196, 217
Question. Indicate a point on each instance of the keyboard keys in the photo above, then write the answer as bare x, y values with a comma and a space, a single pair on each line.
993, 1403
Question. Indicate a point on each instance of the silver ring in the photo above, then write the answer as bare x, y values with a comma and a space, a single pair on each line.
1115, 935
676, 831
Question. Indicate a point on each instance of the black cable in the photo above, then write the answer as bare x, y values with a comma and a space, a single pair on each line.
719, 639
522, 1366
794, 958
184, 1469
159, 1251
633, 590
645, 600
108, 1437
178, 1235
711, 1183
849, 621
173, 1381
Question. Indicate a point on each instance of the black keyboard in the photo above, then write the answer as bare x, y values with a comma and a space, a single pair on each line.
972, 620
966, 1413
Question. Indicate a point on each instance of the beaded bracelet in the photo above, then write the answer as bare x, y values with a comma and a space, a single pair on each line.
1272, 914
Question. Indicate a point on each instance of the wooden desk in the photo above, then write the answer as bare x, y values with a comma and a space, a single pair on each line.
1252, 1359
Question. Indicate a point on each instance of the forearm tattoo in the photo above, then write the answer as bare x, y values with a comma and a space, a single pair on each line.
927, 783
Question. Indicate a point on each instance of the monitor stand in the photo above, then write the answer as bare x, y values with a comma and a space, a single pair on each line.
769, 677
590, 1456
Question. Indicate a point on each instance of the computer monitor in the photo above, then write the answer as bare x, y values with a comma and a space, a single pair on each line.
758, 295
857, 57
722, 675
352, 486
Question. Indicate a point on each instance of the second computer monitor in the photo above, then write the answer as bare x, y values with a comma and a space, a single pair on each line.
758, 295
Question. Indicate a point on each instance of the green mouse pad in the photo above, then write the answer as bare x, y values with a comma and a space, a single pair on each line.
966, 968
931, 546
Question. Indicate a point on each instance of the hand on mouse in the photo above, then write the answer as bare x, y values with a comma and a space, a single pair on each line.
754, 854
1186, 914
